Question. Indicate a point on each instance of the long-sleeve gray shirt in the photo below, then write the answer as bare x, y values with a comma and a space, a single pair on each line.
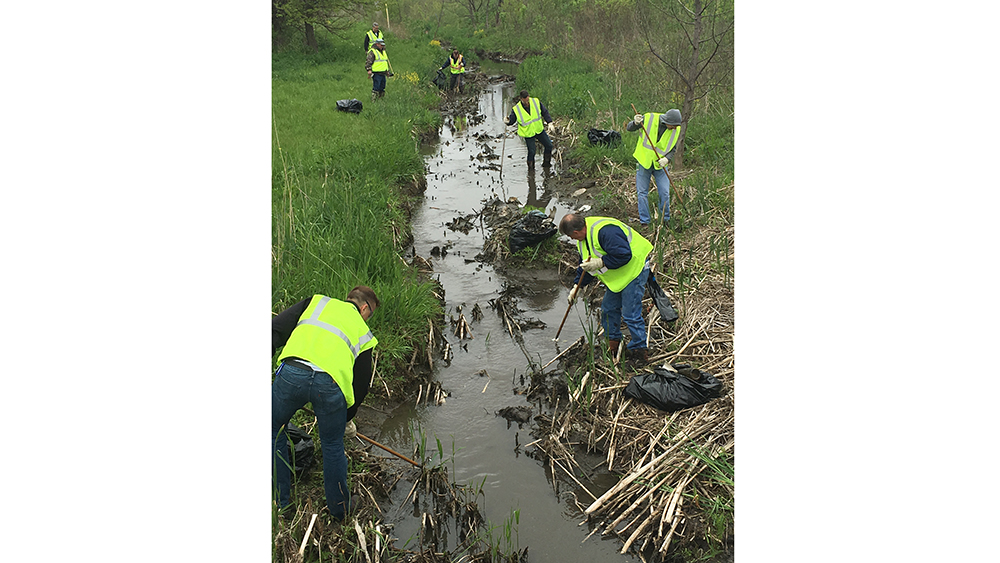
660, 130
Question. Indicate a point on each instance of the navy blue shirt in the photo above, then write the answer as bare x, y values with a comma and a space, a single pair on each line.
512, 118
614, 242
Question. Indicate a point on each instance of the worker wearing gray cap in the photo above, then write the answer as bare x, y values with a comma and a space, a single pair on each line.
653, 150
370, 37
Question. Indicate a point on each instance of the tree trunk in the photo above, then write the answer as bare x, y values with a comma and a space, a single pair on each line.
311, 38
689, 92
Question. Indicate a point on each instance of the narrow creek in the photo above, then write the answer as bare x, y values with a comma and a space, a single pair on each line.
480, 447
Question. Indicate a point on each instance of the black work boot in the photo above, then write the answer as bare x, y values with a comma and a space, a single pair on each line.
531, 165
546, 160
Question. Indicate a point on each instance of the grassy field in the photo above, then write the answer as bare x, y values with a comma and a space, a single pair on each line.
338, 214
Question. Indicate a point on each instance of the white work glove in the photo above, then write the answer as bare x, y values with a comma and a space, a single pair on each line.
663, 162
637, 119
350, 431
572, 294
551, 128
593, 264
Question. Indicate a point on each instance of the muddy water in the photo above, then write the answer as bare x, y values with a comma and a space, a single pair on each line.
484, 445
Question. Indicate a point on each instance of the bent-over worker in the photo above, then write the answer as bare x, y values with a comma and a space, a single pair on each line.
617, 255
326, 360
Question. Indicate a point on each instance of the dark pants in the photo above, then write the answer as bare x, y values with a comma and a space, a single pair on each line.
456, 78
293, 387
543, 138
378, 82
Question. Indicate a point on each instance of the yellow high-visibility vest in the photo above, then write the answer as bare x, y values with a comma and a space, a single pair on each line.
644, 152
615, 279
456, 66
529, 123
381, 63
372, 37
331, 334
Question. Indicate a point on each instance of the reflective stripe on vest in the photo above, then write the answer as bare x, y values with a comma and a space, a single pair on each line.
314, 321
372, 37
456, 66
618, 278
381, 63
529, 123
323, 327
644, 153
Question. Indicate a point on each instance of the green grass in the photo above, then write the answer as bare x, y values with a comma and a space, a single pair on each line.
337, 211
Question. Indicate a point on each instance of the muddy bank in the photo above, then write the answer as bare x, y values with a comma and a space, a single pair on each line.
505, 419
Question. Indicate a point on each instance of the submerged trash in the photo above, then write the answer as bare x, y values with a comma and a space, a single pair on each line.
530, 230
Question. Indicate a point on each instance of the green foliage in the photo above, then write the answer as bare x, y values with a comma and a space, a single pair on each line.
562, 85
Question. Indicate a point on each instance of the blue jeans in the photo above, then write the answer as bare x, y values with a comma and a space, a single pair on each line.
293, 387
542, 137
642, 176
628, 305
378, 82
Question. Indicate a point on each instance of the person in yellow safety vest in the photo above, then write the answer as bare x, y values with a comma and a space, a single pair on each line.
664, 130
371, 36
377, 66
326, 360
617, 255
532, 119
456, 62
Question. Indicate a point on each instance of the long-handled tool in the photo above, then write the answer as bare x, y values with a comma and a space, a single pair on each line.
397, 454
503, 151
575, 288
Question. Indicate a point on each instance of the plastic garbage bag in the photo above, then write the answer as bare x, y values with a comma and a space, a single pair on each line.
601, 137
353, 105
672, 391
441, 81
530, 230
663, 304
303, 449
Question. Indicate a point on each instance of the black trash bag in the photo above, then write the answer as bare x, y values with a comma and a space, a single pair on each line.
601, 137
303, 450
353, 105
441, 81
530, 230
663, 304
669, 391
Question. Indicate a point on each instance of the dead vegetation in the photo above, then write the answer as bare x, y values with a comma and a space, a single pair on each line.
676, 488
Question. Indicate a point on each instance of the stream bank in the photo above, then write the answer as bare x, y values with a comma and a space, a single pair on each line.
487, 414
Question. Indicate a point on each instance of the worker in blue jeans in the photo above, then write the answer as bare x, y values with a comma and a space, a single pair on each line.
615, 254
653, 151
326, 361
